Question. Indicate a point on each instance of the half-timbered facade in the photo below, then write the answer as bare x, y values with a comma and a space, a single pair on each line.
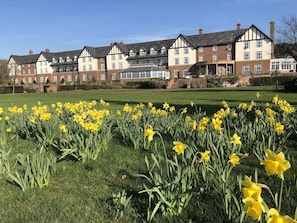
240, 51
92, 63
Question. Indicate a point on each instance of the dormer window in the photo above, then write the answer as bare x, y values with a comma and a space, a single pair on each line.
163, 50
142, 52
68, 59
61, 60
54, 60
132, 53
75, 58
153, 51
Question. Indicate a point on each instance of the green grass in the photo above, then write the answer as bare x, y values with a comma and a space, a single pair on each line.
208, 99
82, 192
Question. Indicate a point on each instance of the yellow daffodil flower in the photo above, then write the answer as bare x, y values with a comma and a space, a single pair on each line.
279, 128
276, 164
253, 208
234, 159
204, 156
149, 132
275, 217
179, 147
235, 139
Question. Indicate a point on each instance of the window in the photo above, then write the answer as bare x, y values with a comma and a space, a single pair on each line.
83, 59
163, 50
153, 51
113, 57
90, 67
85, 77
259, 44
69, 78
176, 51
246, 45
142, 52
176, 73
200, 58
229, 56
84, 67
214, 57
229, 46
55, 79
186, 60
113, 65
102, 77
41, 63
214, 48
275, 65
132, 53
113, 76
258, 69
90, 59
102, 66
120, 56
176, 61
186, 50
246, 55
258, 54
246, 70
200, 49
120, 65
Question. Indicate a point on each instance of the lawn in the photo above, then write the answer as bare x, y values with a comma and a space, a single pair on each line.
86, 191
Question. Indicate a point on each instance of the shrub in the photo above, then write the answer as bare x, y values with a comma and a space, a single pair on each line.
291, 86
270, 81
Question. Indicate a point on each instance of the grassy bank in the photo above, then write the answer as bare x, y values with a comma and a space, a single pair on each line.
85, 191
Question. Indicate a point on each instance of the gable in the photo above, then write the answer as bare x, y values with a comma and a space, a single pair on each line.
181, 42
252, 33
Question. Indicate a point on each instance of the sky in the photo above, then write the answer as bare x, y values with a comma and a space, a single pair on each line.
64, 25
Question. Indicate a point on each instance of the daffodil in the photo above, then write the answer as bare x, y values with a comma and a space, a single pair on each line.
235, 139
275, 217
253, 208
216, 122
279, 128
204, 156
62, 128
179, 147
276, 164
252, 199
258, 95
149, 132
234, 159
166, 106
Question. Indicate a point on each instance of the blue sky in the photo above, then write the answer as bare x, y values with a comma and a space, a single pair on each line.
63, 25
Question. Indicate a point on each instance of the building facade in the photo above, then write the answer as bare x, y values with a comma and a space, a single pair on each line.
242, 52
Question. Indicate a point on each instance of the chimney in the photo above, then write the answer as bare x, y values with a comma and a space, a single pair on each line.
200, 31
30, 52
47, 50
272, 37
238, 25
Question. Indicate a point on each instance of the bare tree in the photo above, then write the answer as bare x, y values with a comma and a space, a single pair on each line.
288, 34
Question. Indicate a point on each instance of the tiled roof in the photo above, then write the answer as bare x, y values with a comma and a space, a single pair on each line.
50, 55
146, 46
98, 52
27, 59
216, 38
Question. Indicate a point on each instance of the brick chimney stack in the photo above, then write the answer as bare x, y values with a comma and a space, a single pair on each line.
200, 31
272, 23
30, 52
47, 50
238, 25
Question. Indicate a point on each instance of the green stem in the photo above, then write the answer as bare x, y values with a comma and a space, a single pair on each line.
280, 195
